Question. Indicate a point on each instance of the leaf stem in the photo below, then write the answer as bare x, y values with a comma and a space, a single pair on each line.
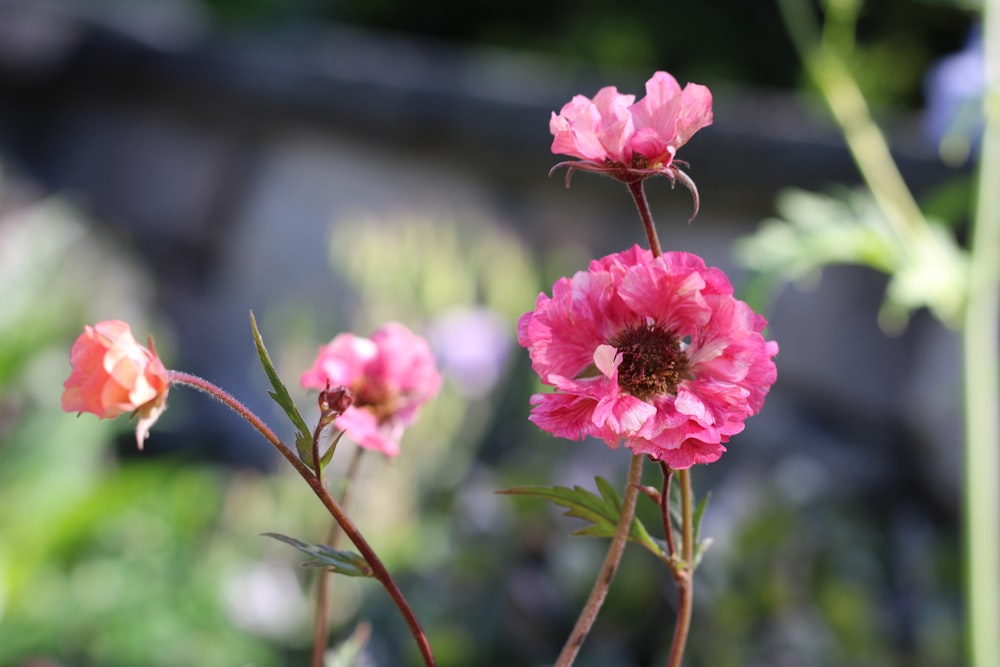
604, 578
333, 507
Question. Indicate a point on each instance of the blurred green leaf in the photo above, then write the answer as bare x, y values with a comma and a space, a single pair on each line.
926, 267
341, 562
303, 439
347, 652
601, 511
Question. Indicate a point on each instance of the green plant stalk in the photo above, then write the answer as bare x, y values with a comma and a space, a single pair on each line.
333, 507
683, 575
982, 385
865, 140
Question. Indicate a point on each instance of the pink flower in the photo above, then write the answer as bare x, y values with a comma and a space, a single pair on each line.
655, 351
392, 375
644, 135
112, 374
627, 140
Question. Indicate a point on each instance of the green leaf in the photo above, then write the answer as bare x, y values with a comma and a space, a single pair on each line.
303, 439
925, 264
602, 512
341, 562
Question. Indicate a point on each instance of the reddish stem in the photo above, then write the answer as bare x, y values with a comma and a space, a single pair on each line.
600, 590
312, 479
639, 195
320, 629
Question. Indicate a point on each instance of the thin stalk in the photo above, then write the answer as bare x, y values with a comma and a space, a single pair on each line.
668, 529
982, 386
607, 574
379, 570
684, 575
321, 624
865, 140
639, 196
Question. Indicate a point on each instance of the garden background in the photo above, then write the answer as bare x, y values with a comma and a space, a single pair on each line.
333, 165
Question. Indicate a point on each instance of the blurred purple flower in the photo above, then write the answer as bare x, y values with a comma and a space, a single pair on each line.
471, 345
953, 87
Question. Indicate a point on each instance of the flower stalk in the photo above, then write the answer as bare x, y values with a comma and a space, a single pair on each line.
683, 569
608, 569
321, 621
312, 478
980, 326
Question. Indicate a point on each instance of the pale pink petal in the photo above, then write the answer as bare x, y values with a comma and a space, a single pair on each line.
113, 374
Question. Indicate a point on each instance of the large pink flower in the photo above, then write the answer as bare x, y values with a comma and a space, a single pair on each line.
630, 140
653, 351
113, 374
392, 375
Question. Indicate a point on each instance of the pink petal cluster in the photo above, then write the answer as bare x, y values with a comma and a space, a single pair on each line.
615, 131
392, 375
653, 351
113, 374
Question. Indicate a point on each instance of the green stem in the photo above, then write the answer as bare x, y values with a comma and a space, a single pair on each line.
684, 575
333, 507
982, 386
864, 139
607, 574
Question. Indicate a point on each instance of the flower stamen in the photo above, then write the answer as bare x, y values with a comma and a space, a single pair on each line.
653, 361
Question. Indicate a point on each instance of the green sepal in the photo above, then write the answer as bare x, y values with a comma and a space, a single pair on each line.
348, 652
303, 439
602, 512
328, 454
677, 519
340, 562
700, 545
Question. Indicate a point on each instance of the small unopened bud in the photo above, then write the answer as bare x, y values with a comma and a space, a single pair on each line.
333, 402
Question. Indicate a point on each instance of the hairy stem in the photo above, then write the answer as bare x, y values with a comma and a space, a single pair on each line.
607, 574
320, 627
332, 506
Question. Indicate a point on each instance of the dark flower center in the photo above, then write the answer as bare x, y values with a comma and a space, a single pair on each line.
376, 398
653, 362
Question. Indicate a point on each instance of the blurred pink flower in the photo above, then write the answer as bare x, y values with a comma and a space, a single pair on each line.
630, 140
112, 374
655, 351
392, 375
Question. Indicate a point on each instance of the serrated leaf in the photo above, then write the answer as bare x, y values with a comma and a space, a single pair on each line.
602, 512
281, 395
341, 562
